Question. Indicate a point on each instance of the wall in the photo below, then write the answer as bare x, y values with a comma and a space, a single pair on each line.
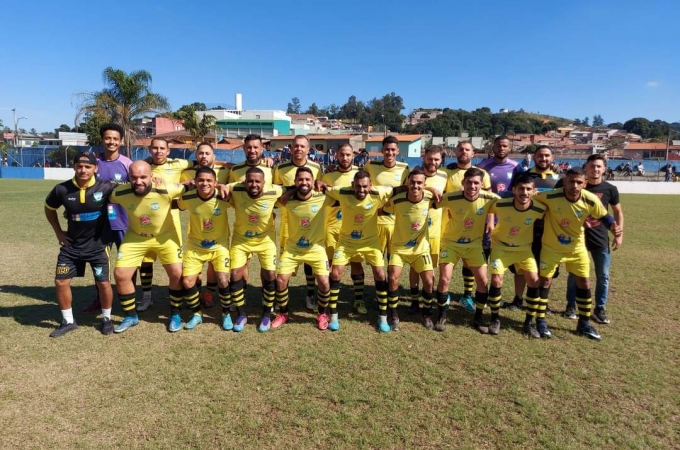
53, 173
647, 187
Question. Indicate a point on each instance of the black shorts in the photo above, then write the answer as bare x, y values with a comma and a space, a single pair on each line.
71, 263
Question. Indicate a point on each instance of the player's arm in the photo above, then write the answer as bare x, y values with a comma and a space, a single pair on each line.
618, 217
52, 203
490, 222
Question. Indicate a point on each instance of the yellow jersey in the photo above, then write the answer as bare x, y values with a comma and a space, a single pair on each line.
339, 180
455, 179
208, 221
222, 173
437, 181
514, 228
360, 222
253, 217
238, 172
284, 174
387, 176
306, 222
466, 219
149, 215
410, 223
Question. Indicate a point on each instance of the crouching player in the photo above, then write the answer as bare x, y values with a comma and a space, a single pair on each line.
208, 242
511, 244
409, 245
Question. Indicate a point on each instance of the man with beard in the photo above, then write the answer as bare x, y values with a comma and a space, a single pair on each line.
84, 200
254, 234
511, 244
501, 169
252, 147
455, 172
208, 241
409, 245
564, 242
152, 230
284, 175
306, 215
343, 177
467, 213
545, 178
357, 236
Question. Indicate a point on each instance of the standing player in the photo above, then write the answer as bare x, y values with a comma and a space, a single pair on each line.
207, 241
205, 157
152, 229
597, 240
170, 171
252, 147
388, 172
511, 241
545, 178
455, 171
358, 237
410, 245
284, 175
467, 213
112, 166
564, 241
501, 169
84, 200
343, 176
254, 233
306, 215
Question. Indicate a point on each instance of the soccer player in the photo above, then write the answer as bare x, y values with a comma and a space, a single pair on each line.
455, 171
343, 176
358, 237
501, 169
511, 245
564, 241
84, 200
435, 178
170, 171
112, 166
254, 234
306, 215
467, 213
409, 245
252, 147
208, 241
388, 172
152, 229
205, 157
597, 240
284, 175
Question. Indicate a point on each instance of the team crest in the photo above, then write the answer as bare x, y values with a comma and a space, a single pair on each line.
397, 177
543, 265
155, 206
315, 208
98, 270
444, 254
368, 206
264, 207
480, 212
168, 171
98, 196
415, 226
359, 218
118, 177
217, 211
132, 206
564, 223
145, 220
468, 223
338, 215
579, 214
528, 221
495, 264
305, 222
514, 231
207, 225
253, 218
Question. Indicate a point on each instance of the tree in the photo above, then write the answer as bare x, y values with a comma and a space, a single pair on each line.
294, 106
90, 126
577, 121
63, 127
585, 121
598, 121
615, 126
197, 128
34, 131
638, 125
313, 110
125, 97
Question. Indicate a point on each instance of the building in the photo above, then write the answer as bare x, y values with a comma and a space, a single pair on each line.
266, 123
421, 115
152, 126
648, 150
410, 145
321, 142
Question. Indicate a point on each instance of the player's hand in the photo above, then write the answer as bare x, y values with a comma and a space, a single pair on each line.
617, 243
269, 162
436, 194
616, 230
223, 190
158, 181
63, 239
320, 186
189, 184
286, 196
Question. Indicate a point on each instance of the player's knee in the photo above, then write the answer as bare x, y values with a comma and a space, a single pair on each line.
62, 282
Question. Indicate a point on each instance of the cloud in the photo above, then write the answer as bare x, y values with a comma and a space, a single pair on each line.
652, 84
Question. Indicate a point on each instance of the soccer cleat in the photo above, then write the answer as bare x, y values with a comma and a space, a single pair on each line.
310, 303
480, 327
516, 304
542, 328
227, 324
414, 308
383, 326
279, 320
145, 303
195, 321
467, 302
360, 307
322, 321
207, 300
587, 330
63, 328
427, 322
93, 307
570, 312
127, 323
106, 327
265, 325
495, 327
599, 315
394, 323
174, 323
530, 330
334, 324
240, 324
441, 322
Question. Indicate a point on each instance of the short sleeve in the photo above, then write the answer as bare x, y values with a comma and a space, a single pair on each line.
614, 200
53, 200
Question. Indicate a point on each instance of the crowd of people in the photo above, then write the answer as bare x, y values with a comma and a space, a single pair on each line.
384, 215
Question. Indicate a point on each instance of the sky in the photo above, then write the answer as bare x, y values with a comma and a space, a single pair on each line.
570, 59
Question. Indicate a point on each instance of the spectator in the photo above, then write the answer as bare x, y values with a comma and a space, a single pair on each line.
641, 169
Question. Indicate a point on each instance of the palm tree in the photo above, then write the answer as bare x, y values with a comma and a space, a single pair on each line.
198, 129
126, 97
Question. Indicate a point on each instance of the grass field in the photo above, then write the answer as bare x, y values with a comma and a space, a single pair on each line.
301, 388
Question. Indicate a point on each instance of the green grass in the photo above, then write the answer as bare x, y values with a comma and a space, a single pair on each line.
299, 387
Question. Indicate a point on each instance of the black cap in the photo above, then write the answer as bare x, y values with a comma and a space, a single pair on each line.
85, 158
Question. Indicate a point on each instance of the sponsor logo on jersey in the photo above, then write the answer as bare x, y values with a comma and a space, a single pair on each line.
564, 223
118, 177
514, 231
480, 212
411, 243
359, 218
253, 218
217, 211
528, 221
356, 234
303, 242
564, 239
415, 226
207, 243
